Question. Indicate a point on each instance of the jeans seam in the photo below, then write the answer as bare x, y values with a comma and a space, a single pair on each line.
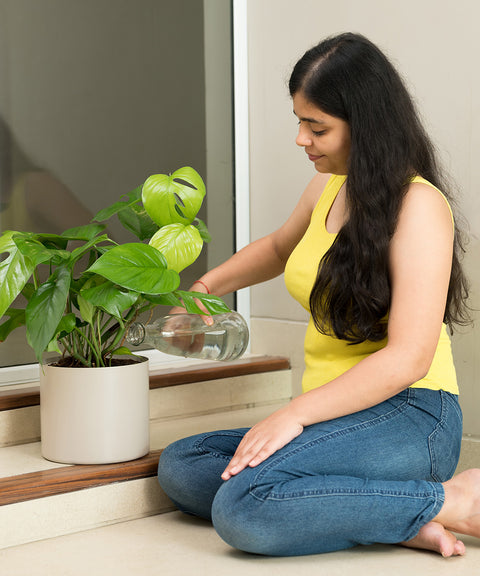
431, 437
336, 493
445, 408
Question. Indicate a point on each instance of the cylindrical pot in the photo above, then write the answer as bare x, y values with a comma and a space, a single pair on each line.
95, 415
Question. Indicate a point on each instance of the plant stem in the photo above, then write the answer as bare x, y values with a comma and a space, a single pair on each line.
91, 346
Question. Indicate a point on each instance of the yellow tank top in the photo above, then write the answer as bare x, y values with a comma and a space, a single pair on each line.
327, 357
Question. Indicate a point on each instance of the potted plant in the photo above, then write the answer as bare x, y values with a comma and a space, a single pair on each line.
93, 289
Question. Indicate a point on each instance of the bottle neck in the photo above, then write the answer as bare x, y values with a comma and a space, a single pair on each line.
135, 334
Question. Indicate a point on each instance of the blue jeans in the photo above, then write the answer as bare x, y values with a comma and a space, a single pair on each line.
370, 477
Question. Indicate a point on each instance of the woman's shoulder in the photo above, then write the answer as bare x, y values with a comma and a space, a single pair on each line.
317, 187
426, 201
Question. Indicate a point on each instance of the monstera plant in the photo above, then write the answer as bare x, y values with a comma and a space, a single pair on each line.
82, 289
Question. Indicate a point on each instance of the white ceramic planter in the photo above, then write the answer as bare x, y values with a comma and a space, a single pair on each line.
95, 415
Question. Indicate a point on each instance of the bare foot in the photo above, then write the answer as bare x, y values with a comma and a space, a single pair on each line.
461, 509
433, 536
460, 513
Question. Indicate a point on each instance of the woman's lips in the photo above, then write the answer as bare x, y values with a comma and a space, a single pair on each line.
313, 158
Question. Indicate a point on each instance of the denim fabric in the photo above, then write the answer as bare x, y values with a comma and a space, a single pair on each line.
373, 476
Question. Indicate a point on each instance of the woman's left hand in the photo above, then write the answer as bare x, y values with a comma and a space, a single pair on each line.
263, 440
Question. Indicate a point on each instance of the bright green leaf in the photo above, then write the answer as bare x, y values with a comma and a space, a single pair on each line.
175, 198
138, 267
15, 270
181, 245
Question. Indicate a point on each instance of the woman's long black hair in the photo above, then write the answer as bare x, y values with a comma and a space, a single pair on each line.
350, 78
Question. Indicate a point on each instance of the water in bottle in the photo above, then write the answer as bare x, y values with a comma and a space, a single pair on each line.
188, 335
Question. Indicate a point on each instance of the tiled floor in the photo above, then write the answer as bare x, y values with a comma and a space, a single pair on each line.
174, 544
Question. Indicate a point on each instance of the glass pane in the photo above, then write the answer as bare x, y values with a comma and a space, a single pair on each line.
97, 95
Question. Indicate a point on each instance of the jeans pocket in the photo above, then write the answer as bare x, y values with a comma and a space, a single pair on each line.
445, 441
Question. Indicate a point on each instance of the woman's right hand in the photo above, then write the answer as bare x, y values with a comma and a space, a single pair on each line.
183, 338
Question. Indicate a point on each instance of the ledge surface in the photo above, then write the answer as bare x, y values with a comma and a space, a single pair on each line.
171, 376
44, 483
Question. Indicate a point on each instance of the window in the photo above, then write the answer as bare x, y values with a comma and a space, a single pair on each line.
97, 95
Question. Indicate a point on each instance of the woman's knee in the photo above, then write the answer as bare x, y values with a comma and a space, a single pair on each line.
190, 476
239, 519
169, 469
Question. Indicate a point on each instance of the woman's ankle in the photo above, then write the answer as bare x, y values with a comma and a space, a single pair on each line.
461, 509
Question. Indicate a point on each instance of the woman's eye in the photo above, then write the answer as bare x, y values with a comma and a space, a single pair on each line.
319, 133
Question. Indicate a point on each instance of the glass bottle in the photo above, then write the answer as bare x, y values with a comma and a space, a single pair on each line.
189, 336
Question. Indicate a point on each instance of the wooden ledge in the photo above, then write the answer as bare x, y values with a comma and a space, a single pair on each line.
56, 481
216, 370
22, 398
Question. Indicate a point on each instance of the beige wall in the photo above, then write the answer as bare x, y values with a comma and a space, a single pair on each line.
436, 48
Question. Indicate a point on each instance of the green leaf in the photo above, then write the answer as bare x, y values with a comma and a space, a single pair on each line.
36, 252
87, 309
45, 310
66, 325
15, 270
214, 304
175, 198
32, 249
164, 299
138, 267
16, 319
81, 250
181, 245
111, 298
122, 351
64, 328
28, 290
52, 241
53, 346
86, 233
136, 219
131, 198
203, 230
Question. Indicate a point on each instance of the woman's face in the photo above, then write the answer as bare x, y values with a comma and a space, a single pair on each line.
326, 139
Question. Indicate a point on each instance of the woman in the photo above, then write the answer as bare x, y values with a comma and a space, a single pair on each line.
367, 452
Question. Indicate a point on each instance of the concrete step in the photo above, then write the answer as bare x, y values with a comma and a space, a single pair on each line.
41, 499
73, 500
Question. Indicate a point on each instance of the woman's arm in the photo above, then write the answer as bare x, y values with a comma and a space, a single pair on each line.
420, 264
265, 259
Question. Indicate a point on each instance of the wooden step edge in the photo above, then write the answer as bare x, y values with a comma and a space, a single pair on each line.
25, 397
217, 370
33, 485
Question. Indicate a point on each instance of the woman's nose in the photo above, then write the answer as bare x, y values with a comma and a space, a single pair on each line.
303, 139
